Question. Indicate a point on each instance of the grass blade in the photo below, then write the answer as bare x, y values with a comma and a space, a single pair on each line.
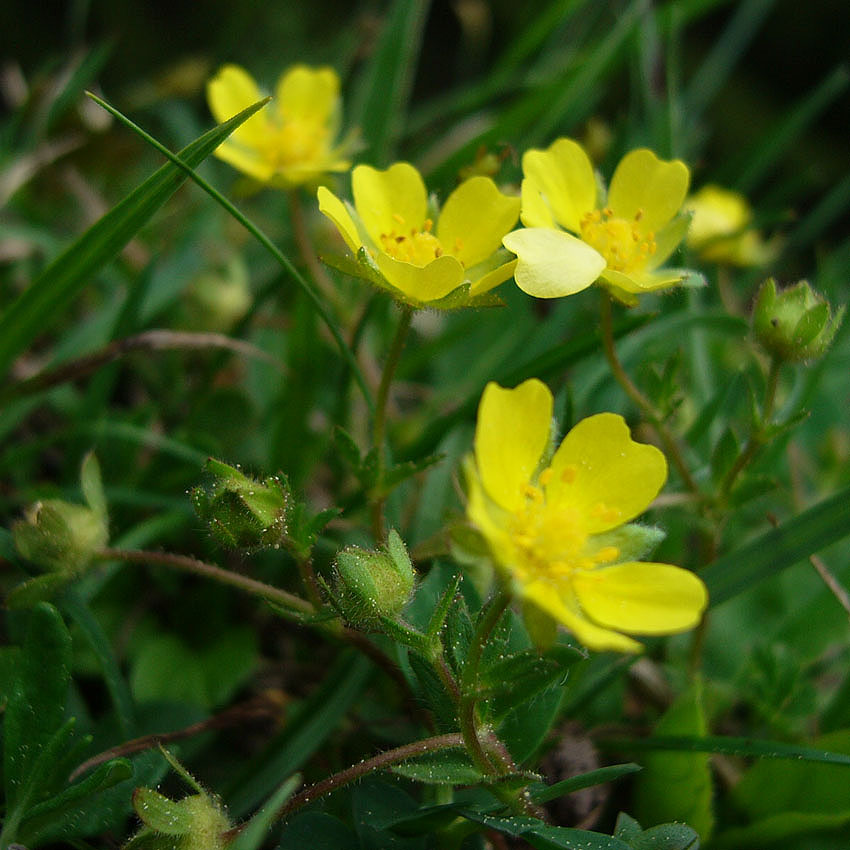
386, 86
781, 547
727, 746
50, 293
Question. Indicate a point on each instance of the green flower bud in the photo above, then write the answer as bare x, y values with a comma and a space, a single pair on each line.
371, 585
795, 323
243, 513
59, 536
196, 822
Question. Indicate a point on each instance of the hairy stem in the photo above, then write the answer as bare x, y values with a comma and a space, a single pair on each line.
671, 447
379, 422
188, 564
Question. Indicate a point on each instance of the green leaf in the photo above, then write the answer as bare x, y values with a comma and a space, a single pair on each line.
45, 300
446, 767
677, 786
36, 700
381, 102
665, 836
545, 793
782, 547
546, 837
526, 726
61, 808
517, 678
91, 484
429, 688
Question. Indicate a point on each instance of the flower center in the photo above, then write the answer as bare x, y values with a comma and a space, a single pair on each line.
410, 245
625, 247
551, 539
296, 142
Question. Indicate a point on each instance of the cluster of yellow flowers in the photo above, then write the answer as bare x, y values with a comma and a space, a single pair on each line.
557, 523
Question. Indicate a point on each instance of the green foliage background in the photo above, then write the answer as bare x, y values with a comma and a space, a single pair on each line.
753, 95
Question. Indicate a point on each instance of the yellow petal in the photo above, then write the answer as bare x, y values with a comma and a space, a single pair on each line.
552, 263
547, 597
644, 281
230, 91
648, 188
605, 475
338, 213
564, 175
493, 278
389, 201
535, 210
667, 240
487, 517
642, 598
510, 435
474, 219
422, 283
308, 94
246, 159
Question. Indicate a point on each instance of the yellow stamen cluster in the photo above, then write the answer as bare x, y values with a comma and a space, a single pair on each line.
620, 241
551, 540
295, 142
410, 245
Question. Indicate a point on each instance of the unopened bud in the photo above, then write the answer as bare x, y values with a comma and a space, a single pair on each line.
371, 585
59, 536
241, 512
795, 323
193, 823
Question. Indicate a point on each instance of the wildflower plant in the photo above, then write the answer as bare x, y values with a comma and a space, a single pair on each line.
444, 258
382, 567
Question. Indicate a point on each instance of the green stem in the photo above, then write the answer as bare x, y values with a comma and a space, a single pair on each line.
758, 437
261, 237
363, 768
192, 565
379, 422
671, 447
469, 686
306, 249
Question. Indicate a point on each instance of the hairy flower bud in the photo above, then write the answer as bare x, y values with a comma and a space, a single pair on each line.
794, 323
371, 585
60, 536
196, 822
242, 512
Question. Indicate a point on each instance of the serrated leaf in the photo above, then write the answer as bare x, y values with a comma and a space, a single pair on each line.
517, 678
446, 767
45, 299
458, 633
526, 725
431, 691
677, 786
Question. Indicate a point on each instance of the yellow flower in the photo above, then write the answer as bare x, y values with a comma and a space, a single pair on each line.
289, 142
399, 247
720, 231
556, 526
570, 240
